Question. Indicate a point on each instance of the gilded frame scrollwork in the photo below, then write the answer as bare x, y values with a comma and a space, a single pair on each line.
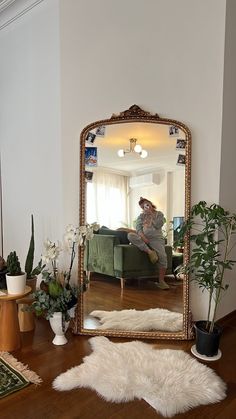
135, 114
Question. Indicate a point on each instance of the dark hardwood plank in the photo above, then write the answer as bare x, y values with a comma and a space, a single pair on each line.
142, 295
48, 361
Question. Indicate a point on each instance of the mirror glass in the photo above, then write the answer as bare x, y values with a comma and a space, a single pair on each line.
133, 155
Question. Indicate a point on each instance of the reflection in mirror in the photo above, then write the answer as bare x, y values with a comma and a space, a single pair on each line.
123, 161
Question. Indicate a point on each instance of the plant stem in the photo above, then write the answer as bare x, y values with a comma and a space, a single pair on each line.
71, 261
227, 235
209, 309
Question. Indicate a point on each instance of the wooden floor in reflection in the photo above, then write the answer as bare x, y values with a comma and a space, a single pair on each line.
104, 293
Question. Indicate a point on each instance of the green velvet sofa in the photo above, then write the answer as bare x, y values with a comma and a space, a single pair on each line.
110, 253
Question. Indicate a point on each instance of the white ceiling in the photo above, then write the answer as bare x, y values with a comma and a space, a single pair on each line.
153, 137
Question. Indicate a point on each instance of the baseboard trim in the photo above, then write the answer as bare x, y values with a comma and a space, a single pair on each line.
227, 318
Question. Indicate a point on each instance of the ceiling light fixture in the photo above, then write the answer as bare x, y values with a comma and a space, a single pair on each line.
133, 148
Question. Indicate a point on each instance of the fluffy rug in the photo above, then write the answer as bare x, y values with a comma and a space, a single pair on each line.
144, 320
14, 375
171, 381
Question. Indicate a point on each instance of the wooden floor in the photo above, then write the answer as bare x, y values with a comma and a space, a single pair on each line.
141, 295
105, 293
48, 361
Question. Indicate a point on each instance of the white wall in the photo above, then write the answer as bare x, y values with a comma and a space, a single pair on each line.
178, 198
166, 56
156, 193
228, 151
30, 129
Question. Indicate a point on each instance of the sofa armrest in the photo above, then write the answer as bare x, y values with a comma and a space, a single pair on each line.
129, 261
100, 254
169, 252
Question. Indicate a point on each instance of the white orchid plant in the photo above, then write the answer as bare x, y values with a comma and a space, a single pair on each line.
56, 293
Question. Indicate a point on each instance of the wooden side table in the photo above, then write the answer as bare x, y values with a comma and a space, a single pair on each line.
9, 323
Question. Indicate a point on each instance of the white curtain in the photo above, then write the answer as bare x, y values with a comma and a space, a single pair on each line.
107, 200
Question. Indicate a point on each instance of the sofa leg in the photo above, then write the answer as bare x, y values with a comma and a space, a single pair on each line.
122, 283
88, 277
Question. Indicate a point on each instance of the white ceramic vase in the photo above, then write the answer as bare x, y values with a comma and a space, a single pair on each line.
16, 284
56, 325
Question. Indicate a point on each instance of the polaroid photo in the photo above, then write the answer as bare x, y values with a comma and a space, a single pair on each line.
90, 138
180, 144
173, 131
181, 160
88, 176
91, 156
100, 131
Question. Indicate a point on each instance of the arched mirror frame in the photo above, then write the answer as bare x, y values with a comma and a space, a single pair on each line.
135, 114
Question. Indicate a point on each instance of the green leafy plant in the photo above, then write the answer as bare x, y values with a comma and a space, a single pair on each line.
30, 271
56, 292
212, 229
54, 296
13, 265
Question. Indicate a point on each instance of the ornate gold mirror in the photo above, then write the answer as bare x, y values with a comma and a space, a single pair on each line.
131, 155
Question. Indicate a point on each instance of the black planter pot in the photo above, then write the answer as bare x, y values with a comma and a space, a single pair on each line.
207, 343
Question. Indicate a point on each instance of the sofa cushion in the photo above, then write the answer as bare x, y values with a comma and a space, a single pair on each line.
121, 235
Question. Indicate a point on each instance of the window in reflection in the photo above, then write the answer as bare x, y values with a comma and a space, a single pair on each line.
107, 199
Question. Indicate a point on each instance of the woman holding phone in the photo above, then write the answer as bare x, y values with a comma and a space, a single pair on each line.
149, 238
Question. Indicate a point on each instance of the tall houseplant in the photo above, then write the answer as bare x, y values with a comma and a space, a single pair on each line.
31, 272
212, 229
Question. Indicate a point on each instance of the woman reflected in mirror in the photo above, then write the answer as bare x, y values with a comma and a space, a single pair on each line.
148, 237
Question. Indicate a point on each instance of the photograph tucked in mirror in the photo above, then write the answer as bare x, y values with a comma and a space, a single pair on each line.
136, 192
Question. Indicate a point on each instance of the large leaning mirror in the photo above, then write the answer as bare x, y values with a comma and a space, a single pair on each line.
133, 154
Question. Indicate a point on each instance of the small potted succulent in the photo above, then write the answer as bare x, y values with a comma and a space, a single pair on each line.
16, 279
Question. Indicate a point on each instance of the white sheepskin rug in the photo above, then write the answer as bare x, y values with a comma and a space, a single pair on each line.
144, 320
171, 381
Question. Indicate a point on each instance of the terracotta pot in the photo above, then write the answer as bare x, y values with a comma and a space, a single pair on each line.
32, 282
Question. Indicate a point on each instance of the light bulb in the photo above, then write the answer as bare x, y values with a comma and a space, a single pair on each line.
121, 153
143, 154
138, 148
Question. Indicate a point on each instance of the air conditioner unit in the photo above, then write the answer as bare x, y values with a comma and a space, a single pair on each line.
144, 180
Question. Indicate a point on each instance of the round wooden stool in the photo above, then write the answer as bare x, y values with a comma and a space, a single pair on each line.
9, 323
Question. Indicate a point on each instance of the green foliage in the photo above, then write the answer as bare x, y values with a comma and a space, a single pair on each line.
30, 272
13, 264
30, 255
212, 229
54, 295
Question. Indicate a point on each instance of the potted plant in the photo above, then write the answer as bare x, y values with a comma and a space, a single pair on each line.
212, 229
31, 273
57, 296
15, 278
